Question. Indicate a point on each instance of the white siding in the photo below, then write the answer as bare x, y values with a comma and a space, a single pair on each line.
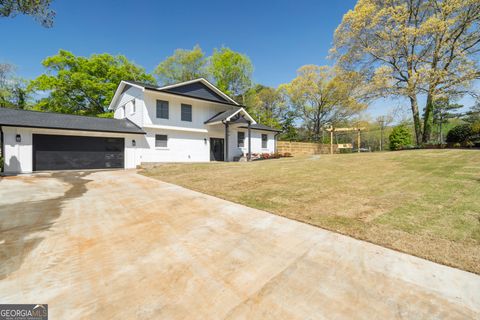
18, 157
201, 111
182, 147
256, 140
126, 102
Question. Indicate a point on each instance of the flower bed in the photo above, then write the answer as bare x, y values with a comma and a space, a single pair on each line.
265, 156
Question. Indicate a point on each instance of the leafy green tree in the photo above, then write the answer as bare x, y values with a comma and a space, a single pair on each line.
13, 91
460, 133
266, 105
289, 130
6, 70
84, 85
40, 9
231, 72
443, 110
400, 138
473, 115
183, 65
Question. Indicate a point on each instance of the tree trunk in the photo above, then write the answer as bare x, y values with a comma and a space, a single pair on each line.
428, 119
416, 120
316, 131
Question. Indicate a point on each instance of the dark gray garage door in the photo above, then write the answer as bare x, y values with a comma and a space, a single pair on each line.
52, 152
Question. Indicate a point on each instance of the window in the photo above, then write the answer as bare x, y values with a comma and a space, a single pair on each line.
161, 141
186, 112
264, 141
162, 109
241, 139
134, 108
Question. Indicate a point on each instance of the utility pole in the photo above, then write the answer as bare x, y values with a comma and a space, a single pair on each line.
381, 121
358, 140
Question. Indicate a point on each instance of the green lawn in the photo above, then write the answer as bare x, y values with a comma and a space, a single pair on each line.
423, 202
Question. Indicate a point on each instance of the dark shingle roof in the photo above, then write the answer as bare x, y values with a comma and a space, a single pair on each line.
263, 127
221, 116
50, 120
197, 90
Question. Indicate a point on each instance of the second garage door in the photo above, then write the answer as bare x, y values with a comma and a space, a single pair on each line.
54, 152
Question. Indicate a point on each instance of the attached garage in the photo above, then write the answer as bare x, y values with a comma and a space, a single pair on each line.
36, 141
56, 152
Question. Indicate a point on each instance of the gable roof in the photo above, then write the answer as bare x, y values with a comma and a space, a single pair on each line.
221, 116
198, 89
228, 115
50, 120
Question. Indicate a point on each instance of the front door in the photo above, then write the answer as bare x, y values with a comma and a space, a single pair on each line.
216, 149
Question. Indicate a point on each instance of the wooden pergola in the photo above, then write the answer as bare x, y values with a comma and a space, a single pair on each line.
332, 130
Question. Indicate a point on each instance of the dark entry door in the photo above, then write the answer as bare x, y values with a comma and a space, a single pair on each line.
52, 152
216, 149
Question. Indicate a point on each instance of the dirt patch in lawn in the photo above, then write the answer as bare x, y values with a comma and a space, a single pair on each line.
423, 202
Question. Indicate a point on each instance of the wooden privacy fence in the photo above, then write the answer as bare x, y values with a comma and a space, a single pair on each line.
304, 148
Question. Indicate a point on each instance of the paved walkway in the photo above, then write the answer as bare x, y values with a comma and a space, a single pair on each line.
114, 244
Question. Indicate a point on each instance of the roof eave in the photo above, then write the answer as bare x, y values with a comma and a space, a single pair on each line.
118, 92
68, 129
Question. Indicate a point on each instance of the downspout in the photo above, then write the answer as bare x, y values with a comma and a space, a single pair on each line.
2, 150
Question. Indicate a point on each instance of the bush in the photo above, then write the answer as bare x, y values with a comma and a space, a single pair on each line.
400, 138
460, 134
1, 164
287, 154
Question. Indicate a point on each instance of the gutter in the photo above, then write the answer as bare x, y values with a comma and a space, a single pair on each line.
71, 129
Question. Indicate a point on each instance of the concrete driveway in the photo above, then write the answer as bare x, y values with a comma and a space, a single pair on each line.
114, 244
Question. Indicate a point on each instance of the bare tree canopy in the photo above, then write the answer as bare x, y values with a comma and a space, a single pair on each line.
323, 95
409, 48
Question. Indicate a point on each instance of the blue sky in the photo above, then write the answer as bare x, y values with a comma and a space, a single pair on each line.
278, 36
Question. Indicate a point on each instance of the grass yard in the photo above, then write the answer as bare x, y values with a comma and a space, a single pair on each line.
423, 202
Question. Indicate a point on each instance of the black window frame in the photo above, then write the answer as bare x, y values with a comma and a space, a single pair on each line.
185, 107
163, 109
161, 140
242, 140
264, 141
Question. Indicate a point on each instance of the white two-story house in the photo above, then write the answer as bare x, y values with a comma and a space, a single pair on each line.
191, 121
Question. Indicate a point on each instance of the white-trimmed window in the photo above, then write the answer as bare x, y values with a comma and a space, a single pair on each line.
186, 112
162, 109
264, 141
134, 107
240, 139
161, 141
